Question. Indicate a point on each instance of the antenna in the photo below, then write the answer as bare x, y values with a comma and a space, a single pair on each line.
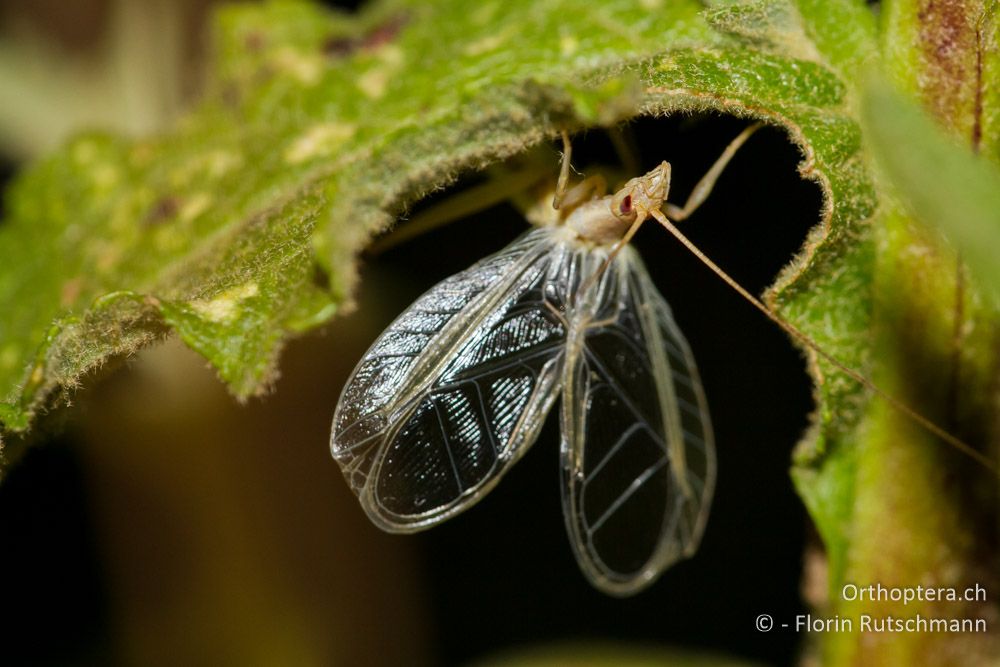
799, 335
699, 194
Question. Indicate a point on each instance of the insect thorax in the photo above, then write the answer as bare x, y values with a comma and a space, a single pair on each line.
593, 221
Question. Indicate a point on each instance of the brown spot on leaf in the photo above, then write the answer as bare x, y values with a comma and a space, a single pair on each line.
385, 32
341, 46
254, 42
230, 94
164, 210
949, 44
977, 122
70, 291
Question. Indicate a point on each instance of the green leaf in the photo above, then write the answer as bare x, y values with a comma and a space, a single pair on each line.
765, 22
239, 228
843, 31
941, 183
945, 54
839, 33
886, 500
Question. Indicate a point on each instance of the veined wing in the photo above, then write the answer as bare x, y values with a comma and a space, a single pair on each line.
456, 389
637, 455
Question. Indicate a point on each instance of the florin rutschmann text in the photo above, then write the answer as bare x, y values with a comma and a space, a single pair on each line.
892, 623
888, 623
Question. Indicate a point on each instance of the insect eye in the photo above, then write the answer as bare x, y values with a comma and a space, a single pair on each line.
626, 206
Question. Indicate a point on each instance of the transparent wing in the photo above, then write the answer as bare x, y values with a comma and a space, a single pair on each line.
456, 389
637, 454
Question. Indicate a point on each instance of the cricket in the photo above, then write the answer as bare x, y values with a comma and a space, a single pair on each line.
455, 391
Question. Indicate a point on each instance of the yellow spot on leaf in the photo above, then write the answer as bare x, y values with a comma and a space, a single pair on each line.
8, 357
318, 140
485, 13
306, 68
195, 206
225, 306
105, 175
221, 162
490, 42
85, 152
568, 45
375, 81
37, 375
391, 54
651, 4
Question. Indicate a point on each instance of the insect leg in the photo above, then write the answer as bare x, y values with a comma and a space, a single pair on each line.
557, 314
460, 205
564, 166
641, 217
704, 187
592, 187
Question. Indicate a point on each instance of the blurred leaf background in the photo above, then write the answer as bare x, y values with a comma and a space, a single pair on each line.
162, 523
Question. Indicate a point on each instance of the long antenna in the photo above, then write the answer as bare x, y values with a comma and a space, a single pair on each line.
795, 332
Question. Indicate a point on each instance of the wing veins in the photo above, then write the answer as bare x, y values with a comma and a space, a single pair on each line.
395, 355
494, 292
614, 450
486, 421
499, 364
694, 439
611, 382
478, 306
683, 378
447, 447
634, 486
691, 408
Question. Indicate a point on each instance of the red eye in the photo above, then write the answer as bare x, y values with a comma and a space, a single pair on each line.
626, 206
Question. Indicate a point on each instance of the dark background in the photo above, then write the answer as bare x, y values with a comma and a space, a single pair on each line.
502, 575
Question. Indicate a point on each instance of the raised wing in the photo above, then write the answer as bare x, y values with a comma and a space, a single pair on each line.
456, 389
637, 454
